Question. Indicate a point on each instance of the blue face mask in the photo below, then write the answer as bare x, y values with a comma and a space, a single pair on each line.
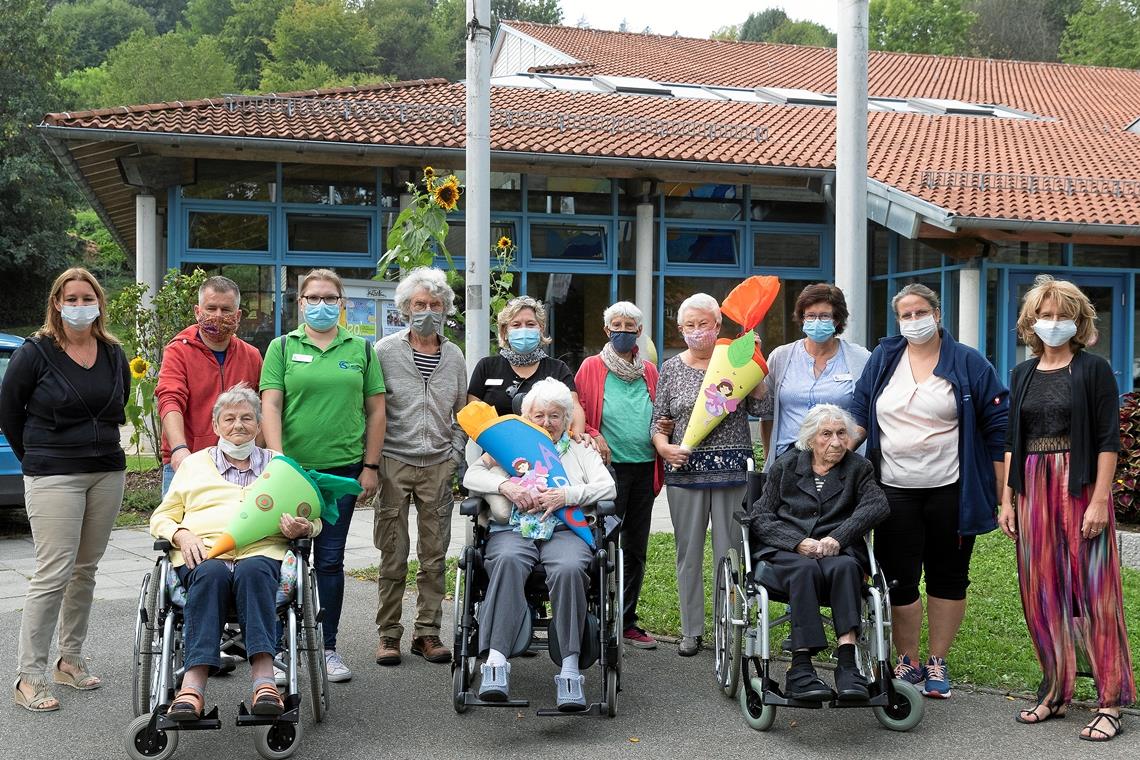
819, 330
623, 342
523, 340
322, 316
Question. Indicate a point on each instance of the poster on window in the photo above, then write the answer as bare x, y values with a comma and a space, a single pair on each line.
393, 320
360, 317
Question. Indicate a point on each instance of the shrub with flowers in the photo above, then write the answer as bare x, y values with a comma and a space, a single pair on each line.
1126, 483
502, 278
420, 231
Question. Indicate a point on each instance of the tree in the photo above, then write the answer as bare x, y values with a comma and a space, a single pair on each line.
244, 34
1104, 33
320, 32
758, 26
535, 11
35, 196
728, 33
941, 27
91, 29
802, 33
1027, 30
84, 88
166, 13
406, 41
172, 66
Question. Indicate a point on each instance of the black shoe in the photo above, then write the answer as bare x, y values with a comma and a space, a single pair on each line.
850, 685
805, 685
689, 646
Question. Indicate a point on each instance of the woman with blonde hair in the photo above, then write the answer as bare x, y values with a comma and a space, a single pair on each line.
1061, 450
61, 406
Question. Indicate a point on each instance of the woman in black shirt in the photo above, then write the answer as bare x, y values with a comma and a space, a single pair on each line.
61, 407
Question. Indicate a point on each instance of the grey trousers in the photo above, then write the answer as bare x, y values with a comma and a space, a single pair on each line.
690, 510
509, 560
71, 518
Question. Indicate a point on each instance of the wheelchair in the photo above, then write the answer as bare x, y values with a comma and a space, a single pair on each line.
158, 663
601, 636
742, 631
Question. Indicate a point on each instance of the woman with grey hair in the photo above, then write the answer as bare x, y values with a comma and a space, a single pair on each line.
429, 283
194, 513
617, 389
933, 413
523, 534
710, 481
819, 500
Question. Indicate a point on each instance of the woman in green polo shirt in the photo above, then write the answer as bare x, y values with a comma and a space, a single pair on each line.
323, 396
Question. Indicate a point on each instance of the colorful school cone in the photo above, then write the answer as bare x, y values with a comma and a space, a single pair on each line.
736, 366
283, 488
524, 450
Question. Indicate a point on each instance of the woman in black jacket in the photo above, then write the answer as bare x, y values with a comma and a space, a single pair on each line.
1061, 450
61, 407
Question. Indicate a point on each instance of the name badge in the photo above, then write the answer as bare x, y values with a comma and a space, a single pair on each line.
302, 358
843, 377
494, 381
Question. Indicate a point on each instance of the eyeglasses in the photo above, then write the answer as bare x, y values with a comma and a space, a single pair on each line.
818, 317
327, 300
920, 314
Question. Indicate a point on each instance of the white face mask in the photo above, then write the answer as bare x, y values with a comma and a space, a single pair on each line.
1055, 332
79, 316
235, 451
919, 331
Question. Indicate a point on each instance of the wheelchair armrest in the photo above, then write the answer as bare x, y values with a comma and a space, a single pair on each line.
740, 516
301, 544
606, 508
470, 506
162, 545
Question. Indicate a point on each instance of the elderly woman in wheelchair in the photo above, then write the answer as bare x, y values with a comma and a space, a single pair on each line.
525, 533
193, 514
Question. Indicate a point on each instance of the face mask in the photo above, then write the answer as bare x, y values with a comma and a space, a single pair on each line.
700, 339
218, 327
919, 331
79, 316
322, 316
819, 330
1055, 332
623, 342
236, 451
426, 323
523, 340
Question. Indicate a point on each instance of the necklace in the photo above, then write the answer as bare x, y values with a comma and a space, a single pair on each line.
82, 356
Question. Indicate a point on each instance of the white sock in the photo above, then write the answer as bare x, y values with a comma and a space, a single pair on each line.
495, 658
569, 665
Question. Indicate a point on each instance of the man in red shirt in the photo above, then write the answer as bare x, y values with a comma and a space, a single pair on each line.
198, 364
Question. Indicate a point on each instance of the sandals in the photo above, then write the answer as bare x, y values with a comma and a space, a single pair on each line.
188, 704
266, 699
1031, 716
38, 701
1094, 728
83, 681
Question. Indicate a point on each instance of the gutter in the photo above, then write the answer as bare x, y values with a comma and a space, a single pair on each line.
1061, 228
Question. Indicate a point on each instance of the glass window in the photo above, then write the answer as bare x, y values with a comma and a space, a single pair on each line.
258, 298
880, 249
331, 234
329, 185
506, 187
627, 245
229, 232
457, 236
991, 326
291, 278
1121, 256
1048, 254
684, 246
574, 307
914, 254
786, 250
877, 308
232, 180
784, 211
689, 200
627, 291
568, 195
564, 241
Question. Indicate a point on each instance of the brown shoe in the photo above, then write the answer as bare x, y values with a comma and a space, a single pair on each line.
431, 649
388, 652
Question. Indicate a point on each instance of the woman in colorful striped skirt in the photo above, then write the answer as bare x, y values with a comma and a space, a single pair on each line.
1061, 450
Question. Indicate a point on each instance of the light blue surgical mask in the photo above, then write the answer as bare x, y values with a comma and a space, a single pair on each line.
322, 316
1055, 332
819, 330
523, 340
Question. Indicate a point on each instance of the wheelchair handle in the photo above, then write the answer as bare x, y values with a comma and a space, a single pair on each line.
469, 507
162, 545
606, 508
301, 544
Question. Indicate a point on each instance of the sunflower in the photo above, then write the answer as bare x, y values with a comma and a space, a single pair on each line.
504, 243
139, 366
446, 194
429, 173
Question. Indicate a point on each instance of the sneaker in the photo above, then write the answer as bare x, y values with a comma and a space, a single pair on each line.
335, 667
431, 649
637, 637
804, 684
388, 651
571, 692
280, 677
689, 646
494, 682
912, 673
937, 679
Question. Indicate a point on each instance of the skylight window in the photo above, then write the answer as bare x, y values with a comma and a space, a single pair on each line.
520, 80
795, 97
951, 107
633, 85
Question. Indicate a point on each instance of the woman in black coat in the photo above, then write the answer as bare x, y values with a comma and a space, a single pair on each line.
819, 501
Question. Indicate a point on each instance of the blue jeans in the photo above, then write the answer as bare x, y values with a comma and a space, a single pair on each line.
328, 557
167, 476
211, 588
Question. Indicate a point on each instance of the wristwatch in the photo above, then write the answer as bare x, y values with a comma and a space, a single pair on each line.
371, 466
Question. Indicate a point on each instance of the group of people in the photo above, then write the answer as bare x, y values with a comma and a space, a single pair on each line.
950, 454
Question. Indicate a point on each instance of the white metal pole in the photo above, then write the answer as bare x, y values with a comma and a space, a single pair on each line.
969, 298
643, 273
851, 165
146, 245
477, 198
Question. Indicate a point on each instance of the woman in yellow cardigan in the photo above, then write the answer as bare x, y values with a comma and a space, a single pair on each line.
193, 514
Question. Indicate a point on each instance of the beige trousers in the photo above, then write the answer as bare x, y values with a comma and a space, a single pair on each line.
430, 488
71, 518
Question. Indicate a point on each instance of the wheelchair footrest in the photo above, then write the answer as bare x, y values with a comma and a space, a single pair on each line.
292, 714
471, 699
208, 722
594, 710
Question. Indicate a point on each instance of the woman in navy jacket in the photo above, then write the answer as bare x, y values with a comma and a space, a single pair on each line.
933, 413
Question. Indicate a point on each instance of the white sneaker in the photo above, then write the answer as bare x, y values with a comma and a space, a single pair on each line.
335, 667
279, 675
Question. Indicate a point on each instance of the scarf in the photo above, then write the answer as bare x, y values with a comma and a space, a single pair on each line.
619, 366
521, 360
562, 444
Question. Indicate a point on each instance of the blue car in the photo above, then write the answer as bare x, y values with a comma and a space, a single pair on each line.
11, 479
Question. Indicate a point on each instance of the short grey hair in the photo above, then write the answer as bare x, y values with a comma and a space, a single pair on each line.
817, 417
546, 392
700, 302
220, 284
916, 289
235, 396
622, 309
431, 279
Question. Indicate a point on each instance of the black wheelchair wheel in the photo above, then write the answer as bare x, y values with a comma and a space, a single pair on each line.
148, 645
460, 685
726, 635
144, 744
277, 741
313, 643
